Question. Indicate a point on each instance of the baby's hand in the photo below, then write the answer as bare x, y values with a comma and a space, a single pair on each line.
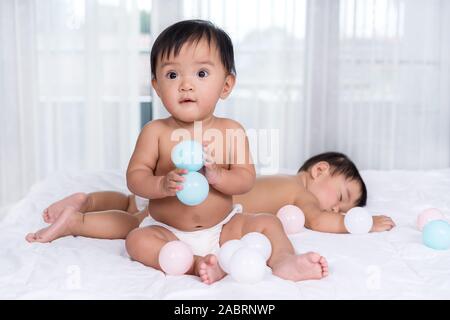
169, 185
382, 223
213, 172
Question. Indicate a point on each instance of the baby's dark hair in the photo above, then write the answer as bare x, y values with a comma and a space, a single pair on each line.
172, 39
340, 164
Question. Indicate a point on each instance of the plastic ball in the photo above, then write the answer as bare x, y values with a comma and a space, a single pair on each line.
428, 215
436, 235
226, 252
259, 242
358, 221
195, 189
247, 266
188, 155
292, 218
175, 258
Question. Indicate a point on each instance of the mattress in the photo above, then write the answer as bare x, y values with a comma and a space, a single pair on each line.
387, 265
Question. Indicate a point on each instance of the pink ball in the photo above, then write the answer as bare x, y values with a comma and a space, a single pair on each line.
175, 258
292, 218
428, 215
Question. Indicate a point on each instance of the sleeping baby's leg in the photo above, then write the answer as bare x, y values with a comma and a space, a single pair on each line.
284, 262
111, 224
90, 202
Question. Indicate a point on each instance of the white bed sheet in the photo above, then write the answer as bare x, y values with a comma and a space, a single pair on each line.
388, 265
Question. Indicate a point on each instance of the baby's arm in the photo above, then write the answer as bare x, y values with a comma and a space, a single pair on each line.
320, 220
140, 173
240, 177
324, 221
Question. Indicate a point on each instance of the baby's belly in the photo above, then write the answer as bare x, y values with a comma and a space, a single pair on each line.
186, 218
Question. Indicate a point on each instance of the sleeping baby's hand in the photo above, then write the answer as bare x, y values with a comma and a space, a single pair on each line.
382, 223
213, 172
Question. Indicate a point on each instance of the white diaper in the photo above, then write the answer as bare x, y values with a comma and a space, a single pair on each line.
202, 242
141, 203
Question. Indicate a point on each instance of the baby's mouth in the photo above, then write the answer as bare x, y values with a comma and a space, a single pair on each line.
187, 100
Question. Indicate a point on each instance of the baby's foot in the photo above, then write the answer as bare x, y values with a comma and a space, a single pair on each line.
306, 266
60, 228
75, 200
209, 269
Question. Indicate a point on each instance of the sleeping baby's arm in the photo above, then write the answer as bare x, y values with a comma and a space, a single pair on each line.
240, 177
331, 222
141, 179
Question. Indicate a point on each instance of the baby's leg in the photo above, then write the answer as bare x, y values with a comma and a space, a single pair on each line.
111, 224
144, 244
91, 202
284, 262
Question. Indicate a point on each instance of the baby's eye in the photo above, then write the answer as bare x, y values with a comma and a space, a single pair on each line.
171, 75
202, 74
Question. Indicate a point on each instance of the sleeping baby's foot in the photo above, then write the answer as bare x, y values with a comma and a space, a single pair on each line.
60, 228
209, 270
76, 200
306, 266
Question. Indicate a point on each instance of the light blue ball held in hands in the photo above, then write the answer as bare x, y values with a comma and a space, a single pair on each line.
188, 155
195, 189
436, 235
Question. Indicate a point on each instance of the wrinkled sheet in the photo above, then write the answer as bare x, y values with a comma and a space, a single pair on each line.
388, 265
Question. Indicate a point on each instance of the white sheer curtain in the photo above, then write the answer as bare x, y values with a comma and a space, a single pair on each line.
68, 88
370, 78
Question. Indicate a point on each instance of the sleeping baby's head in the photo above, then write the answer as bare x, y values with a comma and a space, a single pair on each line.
335, 181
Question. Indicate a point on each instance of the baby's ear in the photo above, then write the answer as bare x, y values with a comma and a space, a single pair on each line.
228, 86
320, 168
155, 86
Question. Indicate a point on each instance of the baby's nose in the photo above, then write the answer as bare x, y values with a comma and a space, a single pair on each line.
186, 85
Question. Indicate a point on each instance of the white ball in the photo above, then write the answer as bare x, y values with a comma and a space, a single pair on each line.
247, 266
292, 218
358, 221
259, 242
226, 251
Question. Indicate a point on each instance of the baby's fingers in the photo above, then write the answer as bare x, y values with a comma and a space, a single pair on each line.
173, 187
176, 175
387, 224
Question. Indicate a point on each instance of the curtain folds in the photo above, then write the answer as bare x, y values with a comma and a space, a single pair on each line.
69, 95
370, 78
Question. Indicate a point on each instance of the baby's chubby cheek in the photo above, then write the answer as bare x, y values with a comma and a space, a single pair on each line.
327, 199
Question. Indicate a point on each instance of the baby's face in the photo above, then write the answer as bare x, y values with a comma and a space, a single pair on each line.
335, 193
191, 83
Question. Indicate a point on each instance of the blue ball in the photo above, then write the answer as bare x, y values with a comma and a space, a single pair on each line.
195, 189
436, 234
188, 155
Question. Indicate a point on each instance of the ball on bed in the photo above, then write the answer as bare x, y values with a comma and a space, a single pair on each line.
226, 252
175, 258
436, 235
195, 189
188, 155
428, 215
259, 242
247, 265
292, 218
358, 221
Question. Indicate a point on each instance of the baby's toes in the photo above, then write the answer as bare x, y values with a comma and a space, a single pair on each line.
204, 277
31, 237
